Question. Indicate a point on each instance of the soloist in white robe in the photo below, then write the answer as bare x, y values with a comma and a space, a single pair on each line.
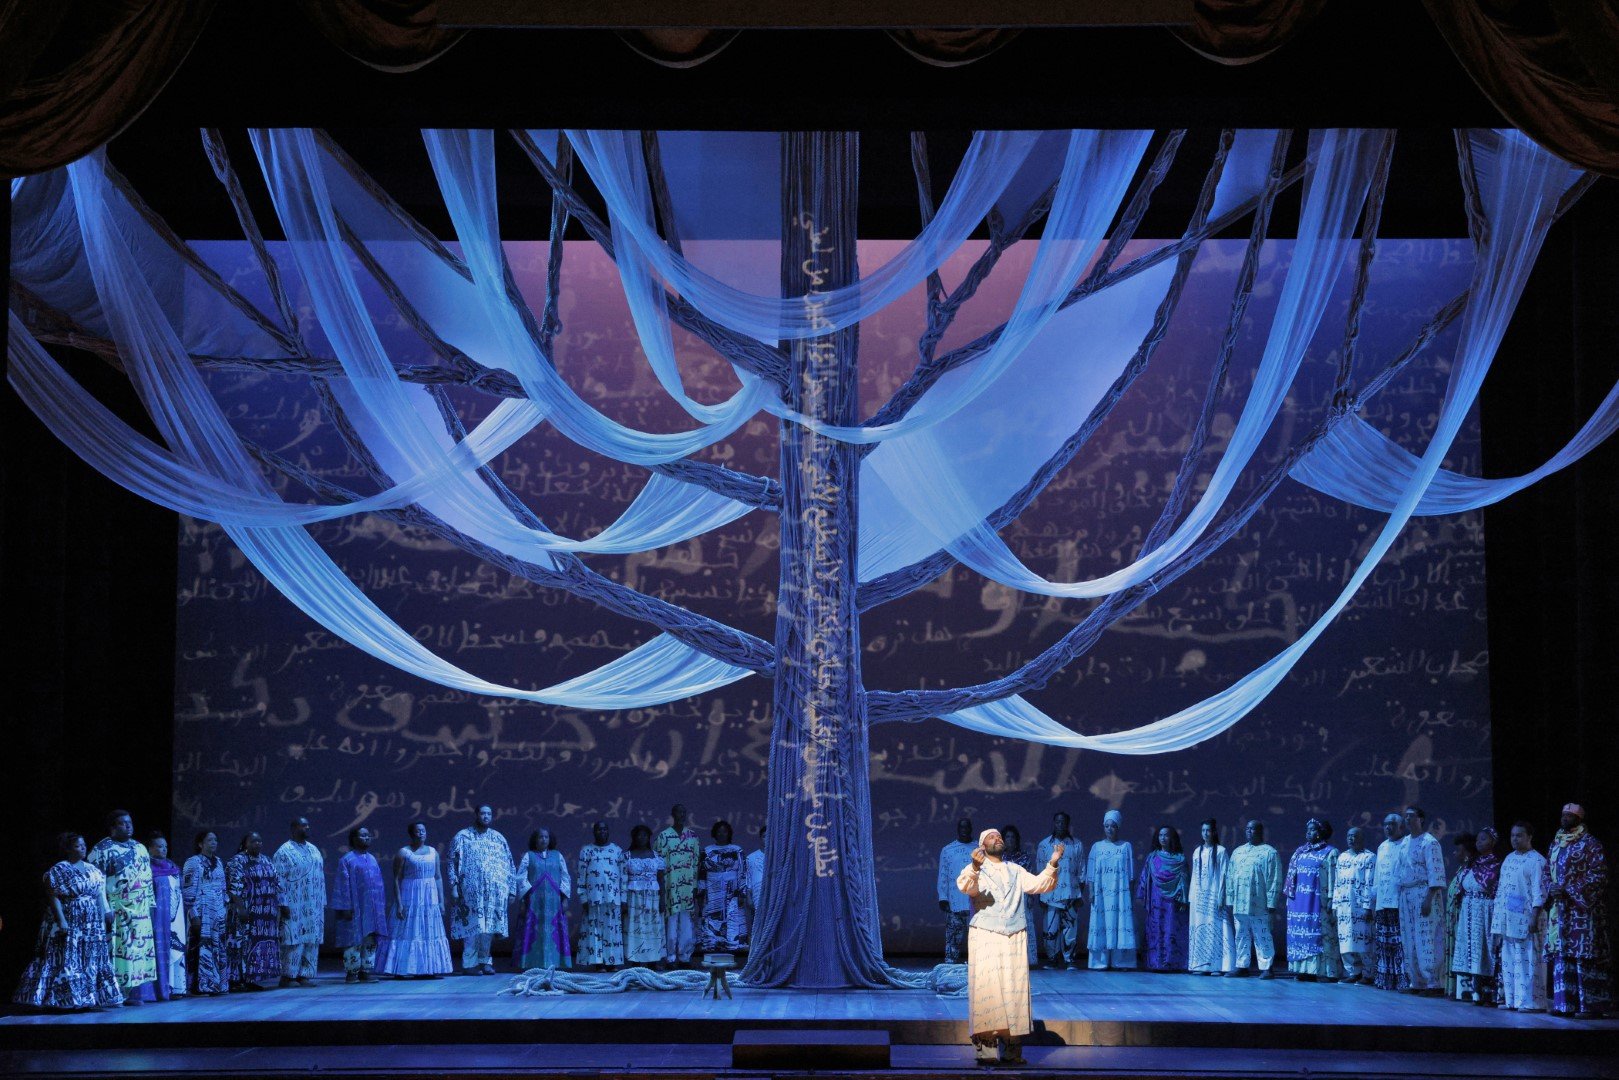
1211, 945
998, 998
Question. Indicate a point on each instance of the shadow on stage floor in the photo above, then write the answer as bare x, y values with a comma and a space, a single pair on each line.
1091, 1023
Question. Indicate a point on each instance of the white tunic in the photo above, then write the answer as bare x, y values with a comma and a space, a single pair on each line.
1354, 897
1387, 876
1109, 877
998, 998
1211, 941
303, 890
1519, 895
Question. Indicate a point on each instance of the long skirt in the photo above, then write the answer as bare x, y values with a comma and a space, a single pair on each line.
601, 935
1388, 959
206, 960
1578, 986
1325, 963
169, 934
255, 946
72, 970
1211, 941
1166, 936
998, 998
416, 944
643, 929
544, 942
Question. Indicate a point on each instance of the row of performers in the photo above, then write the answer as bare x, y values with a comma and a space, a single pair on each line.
1500, 931
124, 924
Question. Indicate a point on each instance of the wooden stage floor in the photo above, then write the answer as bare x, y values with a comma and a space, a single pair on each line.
1085, 1019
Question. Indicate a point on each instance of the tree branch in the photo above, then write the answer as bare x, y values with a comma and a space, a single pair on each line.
941, 315
893, 585
708, 636
982, 344
921, 704
741, 350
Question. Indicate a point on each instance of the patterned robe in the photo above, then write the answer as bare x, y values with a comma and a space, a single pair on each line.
1472, 958
168, 932
1162, 892
680, 853
1211, 944
1520, 895
602, 876
72, 970
543, 885
998, 998
302, 869
254, 888
1388, 952
127, 866
481, 883
724, 927
1577, 941
202, 885
1422, 937
1109, 874
1312, 931
359, 891
1353, 900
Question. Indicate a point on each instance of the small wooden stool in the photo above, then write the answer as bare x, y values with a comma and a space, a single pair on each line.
718, 964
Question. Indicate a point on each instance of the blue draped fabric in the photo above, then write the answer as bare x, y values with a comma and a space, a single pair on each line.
1519, 186
464, 163
919, 470
616, 165
84, 249
665, 512
1359, 464
192, 424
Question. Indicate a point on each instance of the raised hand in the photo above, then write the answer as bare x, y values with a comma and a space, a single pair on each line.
1056, 854
978, 857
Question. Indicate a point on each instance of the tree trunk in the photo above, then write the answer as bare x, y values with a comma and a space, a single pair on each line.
818, 924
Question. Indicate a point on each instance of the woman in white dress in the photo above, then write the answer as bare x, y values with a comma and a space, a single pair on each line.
1110, 875
1211, 944
417, 945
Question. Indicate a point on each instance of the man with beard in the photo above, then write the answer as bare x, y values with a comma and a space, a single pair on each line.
999, 1003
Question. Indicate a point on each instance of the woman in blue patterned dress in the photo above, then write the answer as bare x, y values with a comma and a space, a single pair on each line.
72, 965
1162, 890
202, 888
255, 916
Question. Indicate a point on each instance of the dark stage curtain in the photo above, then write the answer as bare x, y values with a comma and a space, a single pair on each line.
1552, 585
74, 74
952, 48
1242, 31
89, 638
391, 35
1550, 66
679, 47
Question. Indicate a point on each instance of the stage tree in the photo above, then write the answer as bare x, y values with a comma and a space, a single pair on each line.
98, 271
